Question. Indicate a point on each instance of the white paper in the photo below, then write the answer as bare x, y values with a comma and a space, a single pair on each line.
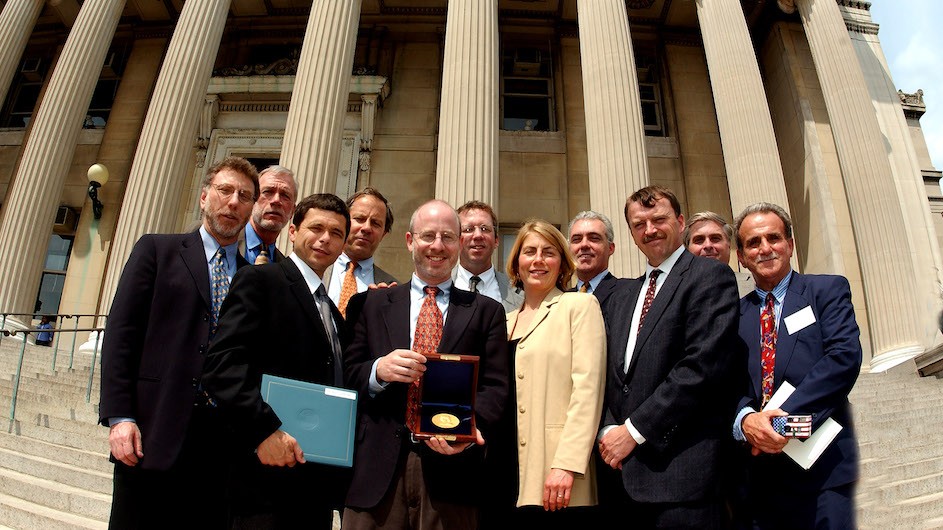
336, 392
804, 452
799, 320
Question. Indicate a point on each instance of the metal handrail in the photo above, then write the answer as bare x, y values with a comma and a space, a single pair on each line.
58, 331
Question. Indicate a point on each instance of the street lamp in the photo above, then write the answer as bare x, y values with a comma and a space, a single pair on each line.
97, 177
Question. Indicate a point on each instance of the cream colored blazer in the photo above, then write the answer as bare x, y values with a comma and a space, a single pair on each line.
559, 370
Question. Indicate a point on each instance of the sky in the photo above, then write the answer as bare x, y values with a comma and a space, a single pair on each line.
911, 40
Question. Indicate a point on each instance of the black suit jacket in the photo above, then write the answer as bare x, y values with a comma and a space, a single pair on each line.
269, 324
155, 341
678, 387
474, 325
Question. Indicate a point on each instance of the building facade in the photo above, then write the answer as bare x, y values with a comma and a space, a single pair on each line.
540, 107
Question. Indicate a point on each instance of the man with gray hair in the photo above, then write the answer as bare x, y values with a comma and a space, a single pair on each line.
270, 213
710, 236
591, 242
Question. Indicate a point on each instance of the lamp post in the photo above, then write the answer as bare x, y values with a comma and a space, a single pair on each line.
97, 177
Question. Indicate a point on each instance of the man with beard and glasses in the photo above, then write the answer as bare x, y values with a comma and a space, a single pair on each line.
163, 431
270, 214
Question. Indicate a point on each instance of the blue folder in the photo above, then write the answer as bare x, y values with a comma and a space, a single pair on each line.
321, 418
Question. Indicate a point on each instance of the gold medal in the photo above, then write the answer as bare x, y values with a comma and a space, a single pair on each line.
444, 420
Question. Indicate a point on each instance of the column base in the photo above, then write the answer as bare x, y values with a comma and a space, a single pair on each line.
890, 359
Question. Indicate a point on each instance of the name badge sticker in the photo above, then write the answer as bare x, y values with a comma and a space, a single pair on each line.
799, 320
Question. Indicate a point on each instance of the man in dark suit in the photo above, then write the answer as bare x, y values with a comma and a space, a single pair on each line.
371, 219
670, 365
397, 482
271, 212
591, 242
271, 323
813, 344
162, 318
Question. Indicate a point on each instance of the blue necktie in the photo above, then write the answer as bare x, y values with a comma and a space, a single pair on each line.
219, 287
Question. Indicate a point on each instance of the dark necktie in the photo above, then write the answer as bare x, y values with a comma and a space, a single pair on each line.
649, 296
324, 307
263, 256
473, 284
219, 287
768, 346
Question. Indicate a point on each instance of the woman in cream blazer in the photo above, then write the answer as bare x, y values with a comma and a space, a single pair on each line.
559, 375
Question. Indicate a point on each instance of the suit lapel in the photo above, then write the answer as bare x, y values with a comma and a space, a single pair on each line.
299, 288
543, 311
786, 343
660, 303
750, 333
396, 316
461, 307
618, 318
194, 257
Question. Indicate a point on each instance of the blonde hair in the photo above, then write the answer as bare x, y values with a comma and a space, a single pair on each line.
551, 234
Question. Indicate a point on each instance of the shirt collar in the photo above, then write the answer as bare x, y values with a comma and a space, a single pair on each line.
666, 266
485, 277
311, 277
252, 238
416, 287
364, 265
211, 246
594, 281
779, 292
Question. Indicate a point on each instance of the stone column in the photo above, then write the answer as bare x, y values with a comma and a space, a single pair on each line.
751, 156
30, 208
887, 265
315, 125
165, 147
467, 157
615, 137
16, 24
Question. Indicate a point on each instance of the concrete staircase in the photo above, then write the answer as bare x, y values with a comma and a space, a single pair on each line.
55, 474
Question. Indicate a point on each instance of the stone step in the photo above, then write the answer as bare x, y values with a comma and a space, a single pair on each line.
55, 495
44, 468
23, 515
93, 460
93, 442
911, 488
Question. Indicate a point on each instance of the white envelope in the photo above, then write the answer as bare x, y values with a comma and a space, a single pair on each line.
804, 452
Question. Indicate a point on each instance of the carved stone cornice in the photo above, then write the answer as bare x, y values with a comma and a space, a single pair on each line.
864, 28
412, 10
856, 4
913, 104
284, 66
253, 107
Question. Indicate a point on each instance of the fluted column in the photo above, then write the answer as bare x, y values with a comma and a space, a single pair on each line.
30, 208
165, 147
16, 24
751, 156
887, 265
615, 138
467, 158
315, 126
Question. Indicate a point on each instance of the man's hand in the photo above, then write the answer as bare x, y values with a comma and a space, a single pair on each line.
125, 441
557, 489
616, 445
401, 366
439, 445
280, 449
381, 285
758, 430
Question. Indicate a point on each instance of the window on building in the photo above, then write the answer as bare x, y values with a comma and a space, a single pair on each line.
99, 108
527, 88
650, 93
54, 271
24, 92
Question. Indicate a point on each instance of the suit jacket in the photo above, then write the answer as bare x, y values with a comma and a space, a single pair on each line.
242, 248
269, 324
156, 340
474, 325
680, 380
560, 364
822, 360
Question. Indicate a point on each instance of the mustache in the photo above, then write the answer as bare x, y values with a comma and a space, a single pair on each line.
648, 239
769, 257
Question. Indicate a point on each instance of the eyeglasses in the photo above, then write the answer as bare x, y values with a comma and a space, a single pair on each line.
470, 229
225, 191
448, 238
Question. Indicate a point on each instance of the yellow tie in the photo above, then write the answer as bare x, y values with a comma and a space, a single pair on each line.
348, 289
262, 257
585, 287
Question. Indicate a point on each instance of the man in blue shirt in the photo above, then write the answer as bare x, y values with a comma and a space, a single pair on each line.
270, 214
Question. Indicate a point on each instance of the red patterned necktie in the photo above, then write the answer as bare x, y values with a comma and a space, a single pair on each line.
649, 295
768, 346
428, 336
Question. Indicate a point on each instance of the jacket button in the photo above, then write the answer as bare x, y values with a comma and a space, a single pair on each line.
523, 442
521, 409
625, 389
193, 381
520, 375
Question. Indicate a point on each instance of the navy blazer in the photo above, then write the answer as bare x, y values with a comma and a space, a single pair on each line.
155, 342
679, 385
822, 360
474, 325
